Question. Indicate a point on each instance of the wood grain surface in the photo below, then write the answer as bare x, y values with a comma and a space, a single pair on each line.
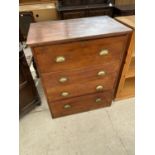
126, 87
79, 54
74, 29
80, 104
124, 2
51, 80
80, 88
127, 20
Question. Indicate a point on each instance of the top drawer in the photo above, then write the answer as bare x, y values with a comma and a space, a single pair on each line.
80, 54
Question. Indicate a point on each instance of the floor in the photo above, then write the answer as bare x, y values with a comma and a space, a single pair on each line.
107, 131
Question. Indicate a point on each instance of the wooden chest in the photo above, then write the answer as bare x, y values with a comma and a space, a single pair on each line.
79, 61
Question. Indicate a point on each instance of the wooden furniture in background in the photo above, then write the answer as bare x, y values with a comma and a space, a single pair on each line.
28, 95
124, 10
41, 11
35, 1
124, 2
68, 9
25, 18
79, 62
126, 87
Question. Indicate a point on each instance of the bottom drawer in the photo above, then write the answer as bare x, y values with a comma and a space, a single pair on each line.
81, 104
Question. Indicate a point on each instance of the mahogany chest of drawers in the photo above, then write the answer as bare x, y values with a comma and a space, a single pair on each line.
79, 61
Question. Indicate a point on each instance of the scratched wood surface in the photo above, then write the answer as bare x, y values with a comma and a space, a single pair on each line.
74, 29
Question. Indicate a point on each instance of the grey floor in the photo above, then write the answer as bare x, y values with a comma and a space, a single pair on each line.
107, 131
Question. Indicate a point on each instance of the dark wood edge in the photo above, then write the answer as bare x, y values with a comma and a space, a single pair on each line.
122, 65
124, 6
22, 85
25, 12
31, 106
126, 45
83, 7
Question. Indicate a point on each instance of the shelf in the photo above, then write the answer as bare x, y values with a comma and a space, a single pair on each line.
128, 89
133, 54
131, 71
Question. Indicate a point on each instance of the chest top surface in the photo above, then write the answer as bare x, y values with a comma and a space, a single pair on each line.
127, 20
74, 29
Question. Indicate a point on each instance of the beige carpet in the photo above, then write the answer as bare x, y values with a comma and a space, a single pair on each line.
107, 131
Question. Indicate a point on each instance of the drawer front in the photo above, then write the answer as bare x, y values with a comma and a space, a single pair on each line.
77, 76
70, 56
81, 104
81, 88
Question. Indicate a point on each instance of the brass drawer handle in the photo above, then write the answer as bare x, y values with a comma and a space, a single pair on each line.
104, 52
63, 79
67, 106
98, 100
101, 73
60, 59
99, 88
64, 94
